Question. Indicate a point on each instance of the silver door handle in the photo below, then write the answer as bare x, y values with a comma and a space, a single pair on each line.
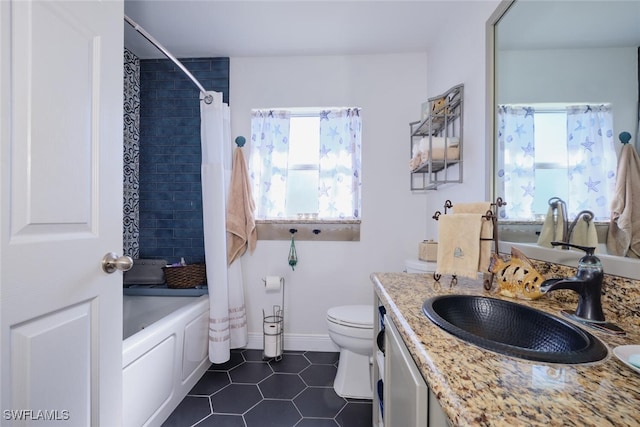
112, 262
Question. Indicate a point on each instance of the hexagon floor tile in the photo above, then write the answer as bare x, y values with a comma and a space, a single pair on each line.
248, 391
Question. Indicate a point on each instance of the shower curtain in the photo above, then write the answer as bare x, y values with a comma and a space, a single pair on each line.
227, 314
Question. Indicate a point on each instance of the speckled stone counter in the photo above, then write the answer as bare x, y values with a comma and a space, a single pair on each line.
479, 387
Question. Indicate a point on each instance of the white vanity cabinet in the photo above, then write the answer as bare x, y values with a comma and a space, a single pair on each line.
407, 400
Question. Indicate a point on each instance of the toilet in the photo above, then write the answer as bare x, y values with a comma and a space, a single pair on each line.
351, 329
418, 266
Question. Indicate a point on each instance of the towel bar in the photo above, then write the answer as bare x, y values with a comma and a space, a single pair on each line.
490, 215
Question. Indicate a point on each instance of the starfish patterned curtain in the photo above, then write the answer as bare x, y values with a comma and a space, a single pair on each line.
338, 163
592, 159
516, 161
269, 160
339, 167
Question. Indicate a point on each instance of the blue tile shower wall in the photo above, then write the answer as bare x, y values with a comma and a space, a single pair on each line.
170, 156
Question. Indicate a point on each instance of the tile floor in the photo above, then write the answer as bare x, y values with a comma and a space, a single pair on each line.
296, 391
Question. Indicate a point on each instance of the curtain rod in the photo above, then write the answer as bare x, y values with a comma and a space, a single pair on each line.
207, 97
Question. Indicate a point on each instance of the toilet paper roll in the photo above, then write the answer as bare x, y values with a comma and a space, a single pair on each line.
271, 346
271, 337
273, 283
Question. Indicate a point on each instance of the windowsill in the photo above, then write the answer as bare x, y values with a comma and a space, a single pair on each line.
528, 231
537, 222
309, 229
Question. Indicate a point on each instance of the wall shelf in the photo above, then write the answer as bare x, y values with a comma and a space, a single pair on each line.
436, 142
318, 230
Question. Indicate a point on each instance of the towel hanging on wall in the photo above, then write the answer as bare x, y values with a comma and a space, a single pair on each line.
240, 221
623, 238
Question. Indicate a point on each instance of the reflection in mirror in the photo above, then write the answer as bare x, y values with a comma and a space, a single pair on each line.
566, 151
565, 85
580, 67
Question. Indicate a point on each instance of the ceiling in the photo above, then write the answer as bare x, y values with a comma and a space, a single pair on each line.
217, 28
232, 28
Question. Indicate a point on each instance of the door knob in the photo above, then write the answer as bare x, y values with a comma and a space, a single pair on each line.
112, 262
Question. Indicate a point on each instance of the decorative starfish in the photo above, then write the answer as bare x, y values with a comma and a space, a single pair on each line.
587, 144
529, 150
517, 170
528, 111
579, 168
324, 190
333, 132
591, 185
528, 190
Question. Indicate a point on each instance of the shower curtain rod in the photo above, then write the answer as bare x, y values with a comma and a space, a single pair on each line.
207, 97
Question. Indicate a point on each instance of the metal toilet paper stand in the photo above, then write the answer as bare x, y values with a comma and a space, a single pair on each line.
273, 330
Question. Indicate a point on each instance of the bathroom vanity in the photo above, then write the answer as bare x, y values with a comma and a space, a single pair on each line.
433, 378
401, 383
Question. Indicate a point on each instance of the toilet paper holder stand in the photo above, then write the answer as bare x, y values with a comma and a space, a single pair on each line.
273, 330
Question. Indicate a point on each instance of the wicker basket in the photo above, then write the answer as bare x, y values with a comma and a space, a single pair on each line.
188, 276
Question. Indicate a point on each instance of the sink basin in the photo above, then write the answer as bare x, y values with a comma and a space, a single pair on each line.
513, 329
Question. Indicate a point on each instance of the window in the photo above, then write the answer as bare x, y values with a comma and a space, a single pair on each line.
551, 158
306, 163
563, 151
304, 166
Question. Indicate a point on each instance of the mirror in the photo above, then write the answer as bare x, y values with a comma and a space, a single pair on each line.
562, 52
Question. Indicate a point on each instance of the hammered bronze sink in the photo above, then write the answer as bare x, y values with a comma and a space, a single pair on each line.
513, 329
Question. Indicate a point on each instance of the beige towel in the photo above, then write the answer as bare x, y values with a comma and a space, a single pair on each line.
240, 222
552, 230
459, 244
486, 232
623, 238
584, 234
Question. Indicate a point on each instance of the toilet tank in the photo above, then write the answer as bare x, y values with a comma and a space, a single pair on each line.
417, 266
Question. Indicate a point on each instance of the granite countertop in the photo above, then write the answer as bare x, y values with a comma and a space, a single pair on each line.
479, 387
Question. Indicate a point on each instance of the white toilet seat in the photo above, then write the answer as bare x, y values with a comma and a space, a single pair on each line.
352, 316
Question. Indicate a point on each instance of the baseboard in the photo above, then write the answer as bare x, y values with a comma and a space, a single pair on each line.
296, 342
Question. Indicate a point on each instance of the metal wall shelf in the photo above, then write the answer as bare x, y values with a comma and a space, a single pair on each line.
444, 122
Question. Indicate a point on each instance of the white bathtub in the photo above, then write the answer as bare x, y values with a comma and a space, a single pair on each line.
164, 354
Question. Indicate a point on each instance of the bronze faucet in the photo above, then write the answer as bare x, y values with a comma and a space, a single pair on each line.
587, 283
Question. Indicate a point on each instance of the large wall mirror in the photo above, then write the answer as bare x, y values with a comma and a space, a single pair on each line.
551, 57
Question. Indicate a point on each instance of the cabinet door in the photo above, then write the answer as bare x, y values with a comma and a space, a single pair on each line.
406, 401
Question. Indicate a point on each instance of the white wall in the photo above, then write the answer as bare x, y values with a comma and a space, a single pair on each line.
596, 75
459, 56
390, 90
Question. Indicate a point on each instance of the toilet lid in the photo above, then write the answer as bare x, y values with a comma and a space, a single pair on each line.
357, 316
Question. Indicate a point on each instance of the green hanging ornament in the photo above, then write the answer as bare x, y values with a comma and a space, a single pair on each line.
293, 256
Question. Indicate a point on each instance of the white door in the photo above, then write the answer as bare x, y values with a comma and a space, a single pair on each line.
61, 211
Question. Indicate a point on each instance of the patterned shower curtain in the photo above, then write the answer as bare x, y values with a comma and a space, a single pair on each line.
227, 313
131, 156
